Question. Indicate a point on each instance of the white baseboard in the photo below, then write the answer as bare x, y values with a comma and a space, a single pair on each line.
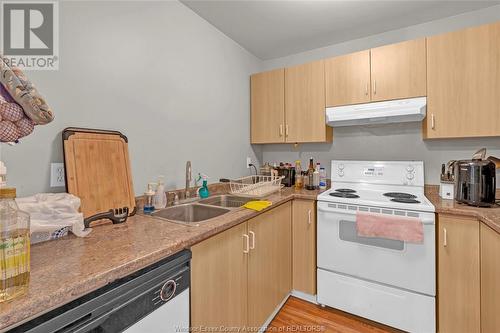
263, 328
295, 293
306, 297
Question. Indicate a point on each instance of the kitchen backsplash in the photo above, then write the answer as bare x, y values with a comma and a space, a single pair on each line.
384, 142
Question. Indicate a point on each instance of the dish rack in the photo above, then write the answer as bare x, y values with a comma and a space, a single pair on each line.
256, 186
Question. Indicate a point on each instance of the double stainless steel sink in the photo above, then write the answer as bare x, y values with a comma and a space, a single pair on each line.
203, 210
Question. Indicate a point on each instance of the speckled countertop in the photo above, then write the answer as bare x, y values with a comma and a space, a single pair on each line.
66, 269
489, 216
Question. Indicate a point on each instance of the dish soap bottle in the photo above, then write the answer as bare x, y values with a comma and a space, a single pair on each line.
203, 190
14, 247
160, 198
149, 197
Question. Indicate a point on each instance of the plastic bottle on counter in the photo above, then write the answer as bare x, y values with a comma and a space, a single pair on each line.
160, 198
298, 175
14, 247
322, 179
149, 197
316, 177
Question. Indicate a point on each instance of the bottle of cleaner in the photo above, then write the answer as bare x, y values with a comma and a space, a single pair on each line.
203, 190
148, 196
322, 179
160, 198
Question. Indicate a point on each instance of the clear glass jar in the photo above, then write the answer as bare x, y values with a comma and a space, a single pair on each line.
14, 247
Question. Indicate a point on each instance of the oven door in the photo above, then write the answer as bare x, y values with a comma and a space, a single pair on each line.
395, 263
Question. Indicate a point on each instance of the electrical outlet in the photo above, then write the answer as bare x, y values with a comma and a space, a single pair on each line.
57, 175
249, 161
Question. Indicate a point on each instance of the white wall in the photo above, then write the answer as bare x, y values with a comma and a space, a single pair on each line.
387, 142
170, 81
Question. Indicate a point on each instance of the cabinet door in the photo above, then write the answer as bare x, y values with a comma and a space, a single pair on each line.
305, 103
268, 107
270, 263
458, 275
348, 79
399, 70
304, 246
219, 280
463, 81
490, 280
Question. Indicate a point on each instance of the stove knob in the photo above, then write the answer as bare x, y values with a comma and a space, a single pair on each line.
341, 166
168, 290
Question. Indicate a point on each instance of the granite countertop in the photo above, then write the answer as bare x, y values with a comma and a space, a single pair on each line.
489, 216
65, 269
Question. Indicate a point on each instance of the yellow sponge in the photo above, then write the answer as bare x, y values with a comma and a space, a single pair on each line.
258, 205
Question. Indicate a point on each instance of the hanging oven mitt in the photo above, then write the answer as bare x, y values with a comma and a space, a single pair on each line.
25, 94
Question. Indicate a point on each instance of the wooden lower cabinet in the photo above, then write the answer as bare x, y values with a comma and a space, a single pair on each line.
270, 263
219, 280
458, 275
490, 280
304, 246
238, 283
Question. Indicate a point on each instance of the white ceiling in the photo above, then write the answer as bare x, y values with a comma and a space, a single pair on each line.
276, 28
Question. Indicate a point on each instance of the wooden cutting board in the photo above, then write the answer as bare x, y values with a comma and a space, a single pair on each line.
98, 170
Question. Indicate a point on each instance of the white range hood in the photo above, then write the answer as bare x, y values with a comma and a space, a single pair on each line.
397, 111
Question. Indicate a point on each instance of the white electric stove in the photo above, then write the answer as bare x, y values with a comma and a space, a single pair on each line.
385, 280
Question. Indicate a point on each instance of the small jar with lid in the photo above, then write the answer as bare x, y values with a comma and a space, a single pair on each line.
14, 247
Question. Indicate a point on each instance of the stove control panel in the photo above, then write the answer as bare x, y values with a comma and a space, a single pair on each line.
379, 172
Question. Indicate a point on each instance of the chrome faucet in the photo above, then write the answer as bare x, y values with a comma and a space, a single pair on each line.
189, 178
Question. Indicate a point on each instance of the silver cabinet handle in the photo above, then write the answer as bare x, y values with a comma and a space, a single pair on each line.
374, 87
309, 220
433, 121
253, 240
247, 242
281, 129
286, 130
366, 89
445, 238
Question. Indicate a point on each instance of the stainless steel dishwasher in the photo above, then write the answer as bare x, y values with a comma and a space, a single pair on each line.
152, 300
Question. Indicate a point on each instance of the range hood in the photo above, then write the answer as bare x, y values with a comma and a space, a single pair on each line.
396, 111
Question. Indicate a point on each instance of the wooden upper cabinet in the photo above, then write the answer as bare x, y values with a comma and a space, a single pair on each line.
268, 107
490, 278
305, 103
458, 275
398, 70
348, 79
463, 83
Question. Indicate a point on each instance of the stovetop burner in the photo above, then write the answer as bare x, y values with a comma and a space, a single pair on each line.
344, 195
400, 195
345, 190
405, 200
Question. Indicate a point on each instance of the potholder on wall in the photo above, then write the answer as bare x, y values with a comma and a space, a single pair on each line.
25, 94
14, 124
